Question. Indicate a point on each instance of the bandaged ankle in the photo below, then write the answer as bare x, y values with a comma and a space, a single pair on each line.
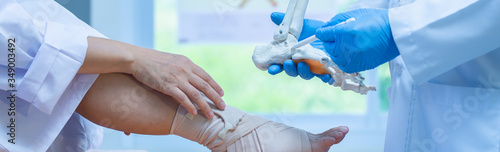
217, 133
272, 137
233, 130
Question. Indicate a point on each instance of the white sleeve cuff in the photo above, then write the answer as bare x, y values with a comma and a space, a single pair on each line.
55, 65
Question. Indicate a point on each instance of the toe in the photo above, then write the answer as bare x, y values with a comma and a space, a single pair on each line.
328, 141
339, 136
322, 142
338, 133
344, 129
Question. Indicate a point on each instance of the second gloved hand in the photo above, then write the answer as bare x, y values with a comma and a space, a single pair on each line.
360, 45
302, 69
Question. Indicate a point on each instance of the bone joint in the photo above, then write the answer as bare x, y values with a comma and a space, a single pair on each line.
286, 36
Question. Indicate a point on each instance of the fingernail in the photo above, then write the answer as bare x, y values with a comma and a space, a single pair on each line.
223, 105
221, 93
210, 114
194, 112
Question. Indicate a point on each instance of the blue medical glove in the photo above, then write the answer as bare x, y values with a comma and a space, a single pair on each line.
360, 45
302, 69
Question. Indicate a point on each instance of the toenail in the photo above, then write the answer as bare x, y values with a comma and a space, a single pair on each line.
343, 129
339, 134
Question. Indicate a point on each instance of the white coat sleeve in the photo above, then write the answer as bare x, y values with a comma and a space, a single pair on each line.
382, 4
50, 46
435, 36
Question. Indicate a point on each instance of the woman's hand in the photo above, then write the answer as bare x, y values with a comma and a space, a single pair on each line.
171, 74
177, 76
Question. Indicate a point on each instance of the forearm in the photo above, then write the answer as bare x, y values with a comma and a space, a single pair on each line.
120, 102
116, 99
171, 74
108, 56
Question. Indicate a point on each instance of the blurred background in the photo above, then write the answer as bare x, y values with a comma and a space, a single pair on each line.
219, 36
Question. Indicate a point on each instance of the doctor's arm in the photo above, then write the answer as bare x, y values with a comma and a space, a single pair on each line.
430, 42
445, 35
171, 74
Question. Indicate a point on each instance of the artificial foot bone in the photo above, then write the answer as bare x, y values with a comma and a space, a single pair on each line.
277, 52
291, 25
281, 49
234, 130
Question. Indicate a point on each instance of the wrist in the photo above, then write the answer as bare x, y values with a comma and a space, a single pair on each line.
138, 58
130, 57
109, 56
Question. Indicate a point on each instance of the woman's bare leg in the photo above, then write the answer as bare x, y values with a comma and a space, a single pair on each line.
120, 102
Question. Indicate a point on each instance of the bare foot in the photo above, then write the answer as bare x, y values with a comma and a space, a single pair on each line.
234, 130
322, 142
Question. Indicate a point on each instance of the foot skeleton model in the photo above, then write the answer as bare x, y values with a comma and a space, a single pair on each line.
281, 49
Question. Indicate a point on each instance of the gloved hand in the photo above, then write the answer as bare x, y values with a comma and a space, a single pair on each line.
360, 45
301, 68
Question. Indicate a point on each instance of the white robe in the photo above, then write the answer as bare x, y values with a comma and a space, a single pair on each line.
445, 86
51, 44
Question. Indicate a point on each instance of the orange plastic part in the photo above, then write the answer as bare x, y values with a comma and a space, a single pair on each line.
315, 66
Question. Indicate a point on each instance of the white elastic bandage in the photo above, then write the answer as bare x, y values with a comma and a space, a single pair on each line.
217, 133
234, 130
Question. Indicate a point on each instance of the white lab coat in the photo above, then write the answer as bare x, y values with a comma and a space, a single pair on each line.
445, 86
51, 45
